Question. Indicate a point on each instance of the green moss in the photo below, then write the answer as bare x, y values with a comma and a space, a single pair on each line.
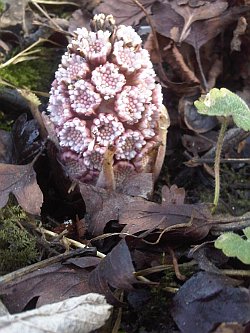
5, 124
1, 7
17, 246
33, 74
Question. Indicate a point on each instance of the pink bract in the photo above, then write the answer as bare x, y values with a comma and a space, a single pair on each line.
104, 94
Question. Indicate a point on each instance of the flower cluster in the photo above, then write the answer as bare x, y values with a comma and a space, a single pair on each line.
104, 93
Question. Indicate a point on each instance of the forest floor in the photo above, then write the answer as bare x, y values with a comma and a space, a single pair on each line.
166, 262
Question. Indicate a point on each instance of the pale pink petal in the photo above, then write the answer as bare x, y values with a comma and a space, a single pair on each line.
128, 35
74, 135
130, 104
93, 159
84, 100
107, 80
73, 67
129, 145
149, 123
106, 128
130, 59
94, 46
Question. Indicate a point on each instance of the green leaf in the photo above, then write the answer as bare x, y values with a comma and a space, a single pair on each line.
223, 102
247, 232
233, 245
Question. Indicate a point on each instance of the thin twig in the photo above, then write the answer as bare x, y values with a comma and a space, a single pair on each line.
46, 15
150, 22
50, 2
69, 240
236, 272
198, 58
7, 278
176, 266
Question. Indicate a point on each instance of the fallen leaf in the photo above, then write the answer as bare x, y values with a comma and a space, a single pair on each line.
74, 277
14, 13
51, 284
3, 309
78, 314
238, 32
172, 56
191, 14
173, 195
21, 181
5, 147
208, 299
124, 11
103, 206
25, 136
208, 258
140, 185
166, 18
114, 271
196, 144
79, 18
181, 221
193, 120
230, 328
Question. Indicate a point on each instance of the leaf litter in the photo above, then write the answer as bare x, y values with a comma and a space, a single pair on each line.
139, 225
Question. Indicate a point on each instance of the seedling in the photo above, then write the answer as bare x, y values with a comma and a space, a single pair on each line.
223, 103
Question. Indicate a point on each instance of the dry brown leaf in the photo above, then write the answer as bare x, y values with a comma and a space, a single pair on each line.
103, 206
195, 121
181, 221
203, 12
79, 18
50, 284
21, 181
5, 147
208, 299
238, 32
173, 195
116, 271
124, 11
165, 18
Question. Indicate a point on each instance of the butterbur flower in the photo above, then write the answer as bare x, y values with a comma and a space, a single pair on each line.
105, 97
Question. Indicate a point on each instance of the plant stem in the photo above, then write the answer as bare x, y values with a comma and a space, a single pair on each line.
217, 162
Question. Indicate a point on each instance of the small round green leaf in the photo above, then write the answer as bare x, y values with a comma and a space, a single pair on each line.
247, 233
223, 102
233, 245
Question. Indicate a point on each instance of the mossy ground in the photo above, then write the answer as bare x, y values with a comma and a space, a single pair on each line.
34, 74
17, 246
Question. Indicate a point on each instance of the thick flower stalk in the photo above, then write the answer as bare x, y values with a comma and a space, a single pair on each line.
104, 95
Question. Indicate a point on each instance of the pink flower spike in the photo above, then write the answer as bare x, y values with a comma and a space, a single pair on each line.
122, 170
129, 59
94, 46
59, 109
129, 144
84, 100
107, 80
129, 104
73, 67
148, 124
74, 164
157, 96
145, 78
93, 159
106, 128
74, 135
145, 159
128, 35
